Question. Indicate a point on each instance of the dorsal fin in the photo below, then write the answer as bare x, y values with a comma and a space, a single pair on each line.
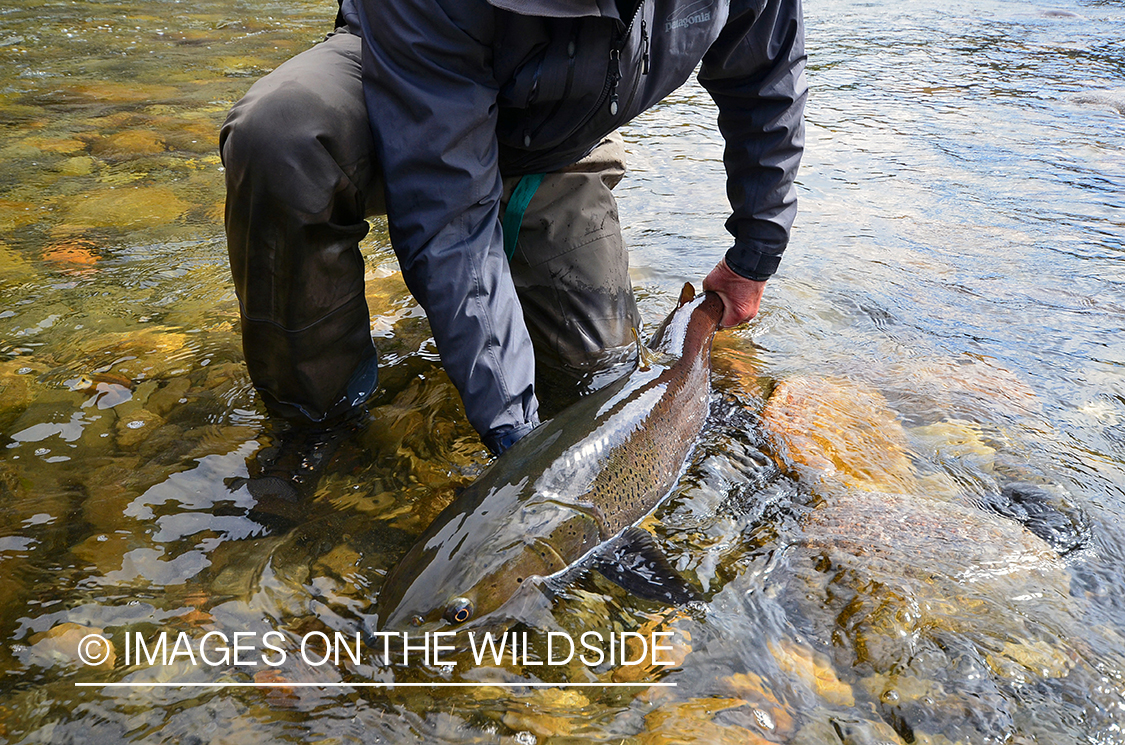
687, 294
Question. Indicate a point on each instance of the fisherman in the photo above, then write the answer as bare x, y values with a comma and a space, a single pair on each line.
485, 130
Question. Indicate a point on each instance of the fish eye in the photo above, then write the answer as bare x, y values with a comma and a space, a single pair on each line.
459, 610
417, 621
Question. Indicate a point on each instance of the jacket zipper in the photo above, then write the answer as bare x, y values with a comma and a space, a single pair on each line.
615, 59
644, 64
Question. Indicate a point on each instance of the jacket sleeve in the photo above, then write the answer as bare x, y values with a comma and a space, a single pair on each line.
755, 72
431, 99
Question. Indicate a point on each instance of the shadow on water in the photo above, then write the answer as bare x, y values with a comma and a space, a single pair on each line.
904, 513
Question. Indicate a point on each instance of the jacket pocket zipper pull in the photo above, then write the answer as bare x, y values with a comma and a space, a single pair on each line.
644, 47
614, 78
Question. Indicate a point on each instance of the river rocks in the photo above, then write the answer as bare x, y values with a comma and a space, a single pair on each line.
548, 712
75, 255
151, 352
16, 214
896, 533
814, 670
715, 721
104, 91
838, 431
136, 427
129, 143
64, 644
125, 208
61, 146
79, 165
1047, 515
943, 388
938, 606
18, 384
169, 396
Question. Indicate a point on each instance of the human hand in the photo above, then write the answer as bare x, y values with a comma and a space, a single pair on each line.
741, 297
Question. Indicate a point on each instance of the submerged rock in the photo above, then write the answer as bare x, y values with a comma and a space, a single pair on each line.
125, 208
838, 431
1061, 525
940, 608
912, 536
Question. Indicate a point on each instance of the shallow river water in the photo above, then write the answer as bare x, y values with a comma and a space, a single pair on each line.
942, 352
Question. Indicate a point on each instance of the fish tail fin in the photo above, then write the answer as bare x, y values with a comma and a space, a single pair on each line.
687, 294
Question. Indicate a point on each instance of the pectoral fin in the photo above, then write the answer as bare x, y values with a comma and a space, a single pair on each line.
633, 561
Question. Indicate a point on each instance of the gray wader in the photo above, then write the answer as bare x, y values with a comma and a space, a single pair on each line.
301, 179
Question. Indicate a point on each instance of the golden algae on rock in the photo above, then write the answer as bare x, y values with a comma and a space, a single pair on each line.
902, 535
548, 712
194, 132
813, 669
145, 353
241, 67
958, 446
169, 395
106, 552
125, 208
60, 146
13, 267
973, 386
849, 730
674, 642
130, 143
773, 720
104, 91
341, 563
1030, 661
19, 384
136, 427
838, 431
694, 722
14, 214
79, 165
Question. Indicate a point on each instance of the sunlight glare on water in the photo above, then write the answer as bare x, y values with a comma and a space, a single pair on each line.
937, 365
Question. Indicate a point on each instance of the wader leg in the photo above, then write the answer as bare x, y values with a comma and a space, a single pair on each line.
571, 270
298, 153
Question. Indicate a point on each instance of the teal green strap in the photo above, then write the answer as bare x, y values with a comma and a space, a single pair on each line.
517, 205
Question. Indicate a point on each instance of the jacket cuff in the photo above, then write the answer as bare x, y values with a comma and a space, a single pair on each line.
502, 438
748, 262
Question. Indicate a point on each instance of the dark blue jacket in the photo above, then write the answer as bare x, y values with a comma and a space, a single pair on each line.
460, 92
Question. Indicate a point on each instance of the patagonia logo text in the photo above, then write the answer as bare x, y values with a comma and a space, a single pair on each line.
691, 14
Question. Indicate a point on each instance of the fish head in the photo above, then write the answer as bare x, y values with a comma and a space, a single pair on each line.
428, 593
471, 571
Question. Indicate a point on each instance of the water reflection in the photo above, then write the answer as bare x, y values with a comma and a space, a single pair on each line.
948, 324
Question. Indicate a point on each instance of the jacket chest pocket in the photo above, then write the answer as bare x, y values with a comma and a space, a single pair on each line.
543, 75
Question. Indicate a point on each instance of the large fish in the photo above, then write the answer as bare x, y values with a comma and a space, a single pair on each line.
568, 495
